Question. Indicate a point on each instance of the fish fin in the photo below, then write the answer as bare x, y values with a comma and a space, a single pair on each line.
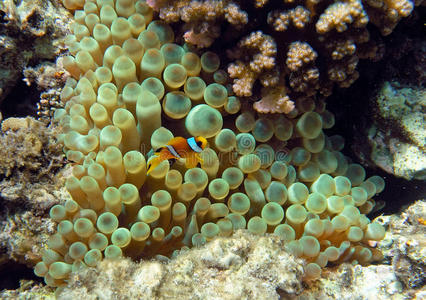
199, 158
163, 153
191, 161
149, 169
153, 163
177, 141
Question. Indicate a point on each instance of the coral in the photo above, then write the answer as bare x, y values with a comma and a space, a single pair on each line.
386, 14
336, 32
304, 75
263, 49
29, 35
131, 90
274, 100
201, 16
281, 20
301, 62
299, 54
337, 15
30, 160
240, 266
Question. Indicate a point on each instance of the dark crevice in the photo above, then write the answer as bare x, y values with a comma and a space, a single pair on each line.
355, 112
11, 273
21, 101
3, 19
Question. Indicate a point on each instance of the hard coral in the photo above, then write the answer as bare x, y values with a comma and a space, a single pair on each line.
274, 100
259, 47
336, 32
338, 15
201, 16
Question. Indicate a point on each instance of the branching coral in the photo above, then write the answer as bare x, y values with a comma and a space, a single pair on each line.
261, 49
338, 15
336, 32
299, 54
274, 100
297, 17
202, 17
386, 14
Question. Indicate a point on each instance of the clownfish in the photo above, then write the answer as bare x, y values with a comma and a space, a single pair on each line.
177, 148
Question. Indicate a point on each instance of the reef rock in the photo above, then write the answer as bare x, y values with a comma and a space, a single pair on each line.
398, 134
31, 34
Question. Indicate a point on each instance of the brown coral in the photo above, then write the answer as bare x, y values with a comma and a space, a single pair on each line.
281, 20
299, 54
344, 73
244, 78
263, 50
336, 32
338, 15
274, 100
304, 75
385, 14
338, 53
201, 17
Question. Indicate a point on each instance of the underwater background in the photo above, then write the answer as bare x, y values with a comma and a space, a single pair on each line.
312, 185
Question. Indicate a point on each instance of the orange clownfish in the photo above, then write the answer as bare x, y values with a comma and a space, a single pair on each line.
177, 148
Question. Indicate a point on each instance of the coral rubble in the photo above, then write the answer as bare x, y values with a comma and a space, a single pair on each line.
31, 34
235, 267
404, 245
30, 158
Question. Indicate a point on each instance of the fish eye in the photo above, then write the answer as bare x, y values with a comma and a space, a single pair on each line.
199, 144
